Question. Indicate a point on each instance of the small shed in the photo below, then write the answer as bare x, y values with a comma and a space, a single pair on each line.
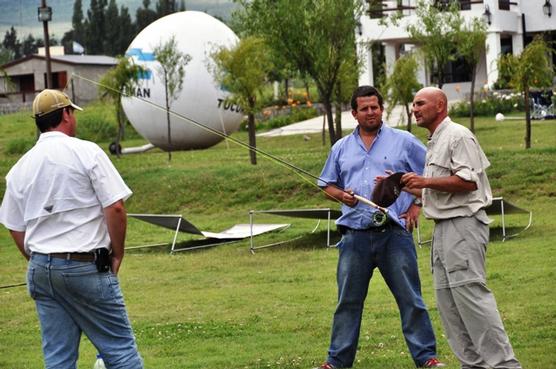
23, 78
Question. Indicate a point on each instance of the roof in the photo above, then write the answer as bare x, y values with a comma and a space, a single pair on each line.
68, 59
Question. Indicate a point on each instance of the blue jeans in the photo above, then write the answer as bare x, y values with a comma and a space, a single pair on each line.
73, 297
393, 252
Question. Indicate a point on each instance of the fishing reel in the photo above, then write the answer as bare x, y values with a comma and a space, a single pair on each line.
379, 218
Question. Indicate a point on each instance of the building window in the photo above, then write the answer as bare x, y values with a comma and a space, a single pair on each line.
455, 71
26, 83
59, 80
506, 46
504, 4
375, 9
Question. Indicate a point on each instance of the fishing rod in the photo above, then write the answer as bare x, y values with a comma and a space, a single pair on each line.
291, 166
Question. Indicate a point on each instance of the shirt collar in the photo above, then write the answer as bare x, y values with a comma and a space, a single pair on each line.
441, 127
51, 134
382, 126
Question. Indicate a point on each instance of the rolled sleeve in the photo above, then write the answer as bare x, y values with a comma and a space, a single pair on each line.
466, 159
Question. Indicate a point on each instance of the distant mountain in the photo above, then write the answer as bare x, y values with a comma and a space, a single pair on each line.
22, 14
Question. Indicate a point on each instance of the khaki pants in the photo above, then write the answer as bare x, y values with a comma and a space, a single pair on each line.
467, 307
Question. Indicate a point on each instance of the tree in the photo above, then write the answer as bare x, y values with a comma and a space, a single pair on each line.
182, 6
532, 68
113, 31
29, 45
316, 36
470, 43
165, 7
401, 85
96, 27
243, 70
127, 30
79, 33
172, 64
434, 32
144, 16
347, 82
117, 82
5, 55
11, 43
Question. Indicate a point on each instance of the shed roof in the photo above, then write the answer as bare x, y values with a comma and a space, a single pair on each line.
68, 59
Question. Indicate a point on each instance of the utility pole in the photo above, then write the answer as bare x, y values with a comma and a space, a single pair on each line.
45, 15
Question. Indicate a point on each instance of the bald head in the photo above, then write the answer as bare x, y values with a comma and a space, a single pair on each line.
430, 107
436, 94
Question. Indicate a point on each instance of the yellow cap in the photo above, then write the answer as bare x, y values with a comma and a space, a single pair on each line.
50, 100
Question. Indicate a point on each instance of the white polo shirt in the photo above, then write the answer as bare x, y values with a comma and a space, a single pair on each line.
56, 194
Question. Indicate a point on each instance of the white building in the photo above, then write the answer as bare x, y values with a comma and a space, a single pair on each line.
23, 78
511, 25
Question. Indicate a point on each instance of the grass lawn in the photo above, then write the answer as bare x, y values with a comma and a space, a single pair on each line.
224, 307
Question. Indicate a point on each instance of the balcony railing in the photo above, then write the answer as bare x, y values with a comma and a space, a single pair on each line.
379, 9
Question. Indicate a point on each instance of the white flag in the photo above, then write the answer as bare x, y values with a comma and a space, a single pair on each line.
77, 48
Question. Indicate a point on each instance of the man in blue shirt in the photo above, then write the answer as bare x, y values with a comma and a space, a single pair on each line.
355, 161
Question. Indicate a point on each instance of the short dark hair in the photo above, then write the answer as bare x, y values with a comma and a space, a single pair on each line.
362, 91
50, 120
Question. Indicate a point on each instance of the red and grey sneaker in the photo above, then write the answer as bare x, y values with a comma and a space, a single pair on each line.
433, 363
326, 365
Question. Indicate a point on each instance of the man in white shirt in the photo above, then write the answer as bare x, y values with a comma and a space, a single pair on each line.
64, 208
455, 191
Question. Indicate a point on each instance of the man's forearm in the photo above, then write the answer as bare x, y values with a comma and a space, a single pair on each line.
451, 184
19, 239
116, 221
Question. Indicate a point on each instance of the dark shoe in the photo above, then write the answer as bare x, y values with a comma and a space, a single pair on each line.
326, 365
433, 363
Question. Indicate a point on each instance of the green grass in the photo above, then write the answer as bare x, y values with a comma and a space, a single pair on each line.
223, 307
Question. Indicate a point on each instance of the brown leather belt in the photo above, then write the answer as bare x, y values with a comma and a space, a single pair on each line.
77, 256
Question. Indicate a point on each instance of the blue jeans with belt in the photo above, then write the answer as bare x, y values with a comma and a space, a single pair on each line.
391, 249
73, 297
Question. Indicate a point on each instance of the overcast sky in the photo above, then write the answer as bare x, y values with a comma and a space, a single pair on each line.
22, 14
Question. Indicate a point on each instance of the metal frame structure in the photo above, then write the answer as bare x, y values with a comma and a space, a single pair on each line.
321, 214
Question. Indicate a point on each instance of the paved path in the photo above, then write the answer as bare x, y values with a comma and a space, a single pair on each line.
314, 125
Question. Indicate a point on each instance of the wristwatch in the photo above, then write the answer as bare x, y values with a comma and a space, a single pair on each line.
418, 202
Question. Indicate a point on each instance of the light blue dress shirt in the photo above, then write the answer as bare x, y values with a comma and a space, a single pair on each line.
351, 166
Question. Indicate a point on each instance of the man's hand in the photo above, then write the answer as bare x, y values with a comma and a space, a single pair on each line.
413, 181
115, 262
348, 198
19, 239
116, 222
411, 217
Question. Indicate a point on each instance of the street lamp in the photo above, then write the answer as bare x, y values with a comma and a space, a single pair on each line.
45, 16
487, 15
359, 27
45, 13
547, 8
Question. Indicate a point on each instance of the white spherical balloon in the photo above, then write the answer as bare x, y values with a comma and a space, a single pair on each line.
202, 99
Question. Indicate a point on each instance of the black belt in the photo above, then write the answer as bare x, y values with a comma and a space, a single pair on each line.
77, 256
381, 228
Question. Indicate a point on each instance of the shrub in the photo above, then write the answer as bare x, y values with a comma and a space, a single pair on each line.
19, 146
490, 105
96, 128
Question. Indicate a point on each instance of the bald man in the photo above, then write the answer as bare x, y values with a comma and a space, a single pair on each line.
455, 192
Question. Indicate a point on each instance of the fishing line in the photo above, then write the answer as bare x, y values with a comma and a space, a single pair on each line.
297, 170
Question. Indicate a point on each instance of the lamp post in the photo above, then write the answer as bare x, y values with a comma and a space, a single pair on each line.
547, 8
45, 15
487, 15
